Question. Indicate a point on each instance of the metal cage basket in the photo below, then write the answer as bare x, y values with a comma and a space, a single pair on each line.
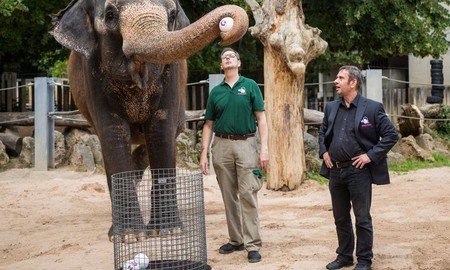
159, 220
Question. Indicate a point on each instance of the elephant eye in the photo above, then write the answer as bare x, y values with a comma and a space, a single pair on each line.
111, 18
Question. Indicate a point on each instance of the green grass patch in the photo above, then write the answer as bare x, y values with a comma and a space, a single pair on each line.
410, 165
317, 177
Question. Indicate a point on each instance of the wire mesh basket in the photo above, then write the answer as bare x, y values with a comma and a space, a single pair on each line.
159, 220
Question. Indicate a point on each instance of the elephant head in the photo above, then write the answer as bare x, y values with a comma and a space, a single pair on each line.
150, 31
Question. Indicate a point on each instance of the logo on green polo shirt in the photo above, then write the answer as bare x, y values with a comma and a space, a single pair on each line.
241, 91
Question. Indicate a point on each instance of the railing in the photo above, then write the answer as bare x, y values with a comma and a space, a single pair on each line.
17, 95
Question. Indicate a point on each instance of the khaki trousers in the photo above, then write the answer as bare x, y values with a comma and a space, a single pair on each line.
234, 161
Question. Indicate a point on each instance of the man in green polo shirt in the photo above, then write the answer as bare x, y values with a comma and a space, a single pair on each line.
234, 110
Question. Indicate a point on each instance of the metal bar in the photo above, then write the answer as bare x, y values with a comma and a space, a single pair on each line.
44, 125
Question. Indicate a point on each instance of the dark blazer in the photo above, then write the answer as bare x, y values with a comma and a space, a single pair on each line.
375, 133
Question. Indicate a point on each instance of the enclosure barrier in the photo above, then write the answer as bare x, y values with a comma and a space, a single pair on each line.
164, 208
49, 96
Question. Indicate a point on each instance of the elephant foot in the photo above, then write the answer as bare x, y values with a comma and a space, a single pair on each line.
127, 237
165, 232
132, 238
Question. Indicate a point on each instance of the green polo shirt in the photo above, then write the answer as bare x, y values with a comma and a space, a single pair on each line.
232, 109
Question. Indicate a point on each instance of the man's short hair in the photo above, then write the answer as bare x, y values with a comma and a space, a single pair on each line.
354, 73
228, 49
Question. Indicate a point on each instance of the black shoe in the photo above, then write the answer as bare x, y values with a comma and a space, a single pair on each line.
254, 256
363, 267
228, 248
338, 264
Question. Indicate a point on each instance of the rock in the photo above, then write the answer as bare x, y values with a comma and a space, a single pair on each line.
311, 145
313, 164
60, 149
4, 157
26, 156
83, 150
82, 157
408, 147
188, 156
94, 144
395, 158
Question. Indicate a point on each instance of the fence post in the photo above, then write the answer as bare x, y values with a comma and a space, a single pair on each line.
43, 124
374, 84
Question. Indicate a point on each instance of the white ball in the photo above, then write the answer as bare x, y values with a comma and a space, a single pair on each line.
131, 265
142, 260
226, 24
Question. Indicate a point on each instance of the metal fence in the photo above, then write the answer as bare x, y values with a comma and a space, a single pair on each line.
17, 95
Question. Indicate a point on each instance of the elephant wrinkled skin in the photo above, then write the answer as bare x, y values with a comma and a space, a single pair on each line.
128, 72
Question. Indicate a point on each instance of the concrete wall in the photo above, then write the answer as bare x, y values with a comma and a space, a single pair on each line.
420, 70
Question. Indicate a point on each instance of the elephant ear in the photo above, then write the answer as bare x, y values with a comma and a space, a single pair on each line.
72, 28
182, 19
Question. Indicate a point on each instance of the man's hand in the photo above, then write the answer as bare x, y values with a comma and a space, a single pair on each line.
263, 159
361, 160
327, 159
204, 162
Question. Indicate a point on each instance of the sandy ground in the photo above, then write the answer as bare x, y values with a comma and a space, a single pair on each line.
59, 219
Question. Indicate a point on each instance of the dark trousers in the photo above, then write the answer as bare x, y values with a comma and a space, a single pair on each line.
352, 187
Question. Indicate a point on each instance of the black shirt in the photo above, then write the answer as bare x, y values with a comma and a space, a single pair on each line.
344, 145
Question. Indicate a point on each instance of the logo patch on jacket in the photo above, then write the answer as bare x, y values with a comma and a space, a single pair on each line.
365, 122
241, 91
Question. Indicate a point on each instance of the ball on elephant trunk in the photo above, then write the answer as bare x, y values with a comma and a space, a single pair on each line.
226, 24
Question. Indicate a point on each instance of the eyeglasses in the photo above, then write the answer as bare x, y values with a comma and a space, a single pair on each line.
225, 56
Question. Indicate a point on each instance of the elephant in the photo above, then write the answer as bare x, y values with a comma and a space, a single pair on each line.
128, 71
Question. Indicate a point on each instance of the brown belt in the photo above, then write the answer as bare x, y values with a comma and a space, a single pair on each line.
236, 137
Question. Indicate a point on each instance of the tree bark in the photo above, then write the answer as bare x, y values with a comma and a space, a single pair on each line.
9, 119
289, 45
12, 143
414, 122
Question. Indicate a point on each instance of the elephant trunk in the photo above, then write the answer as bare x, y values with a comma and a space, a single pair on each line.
147, 39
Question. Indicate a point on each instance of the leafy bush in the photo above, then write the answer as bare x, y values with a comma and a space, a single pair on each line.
443, 127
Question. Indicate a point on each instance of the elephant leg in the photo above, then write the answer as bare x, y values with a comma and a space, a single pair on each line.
164, 214
116, 149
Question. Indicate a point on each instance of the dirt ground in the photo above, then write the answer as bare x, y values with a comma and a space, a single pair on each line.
59, 220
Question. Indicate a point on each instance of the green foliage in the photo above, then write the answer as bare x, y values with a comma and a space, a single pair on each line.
443, 127
25, 40
359, 31
317, 177
410, 165
207, 61
59, 70
8, 6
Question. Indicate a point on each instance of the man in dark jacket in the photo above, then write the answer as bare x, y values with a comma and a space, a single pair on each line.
354, 139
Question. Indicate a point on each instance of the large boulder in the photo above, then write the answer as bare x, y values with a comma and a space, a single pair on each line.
311, 145
83, 150
408, 147
60, 149
82, 158
188, 154
4, 157
26, 156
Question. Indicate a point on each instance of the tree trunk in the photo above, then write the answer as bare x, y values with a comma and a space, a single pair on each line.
413, 125
12, 142
414, 122
289, 45
284, 101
